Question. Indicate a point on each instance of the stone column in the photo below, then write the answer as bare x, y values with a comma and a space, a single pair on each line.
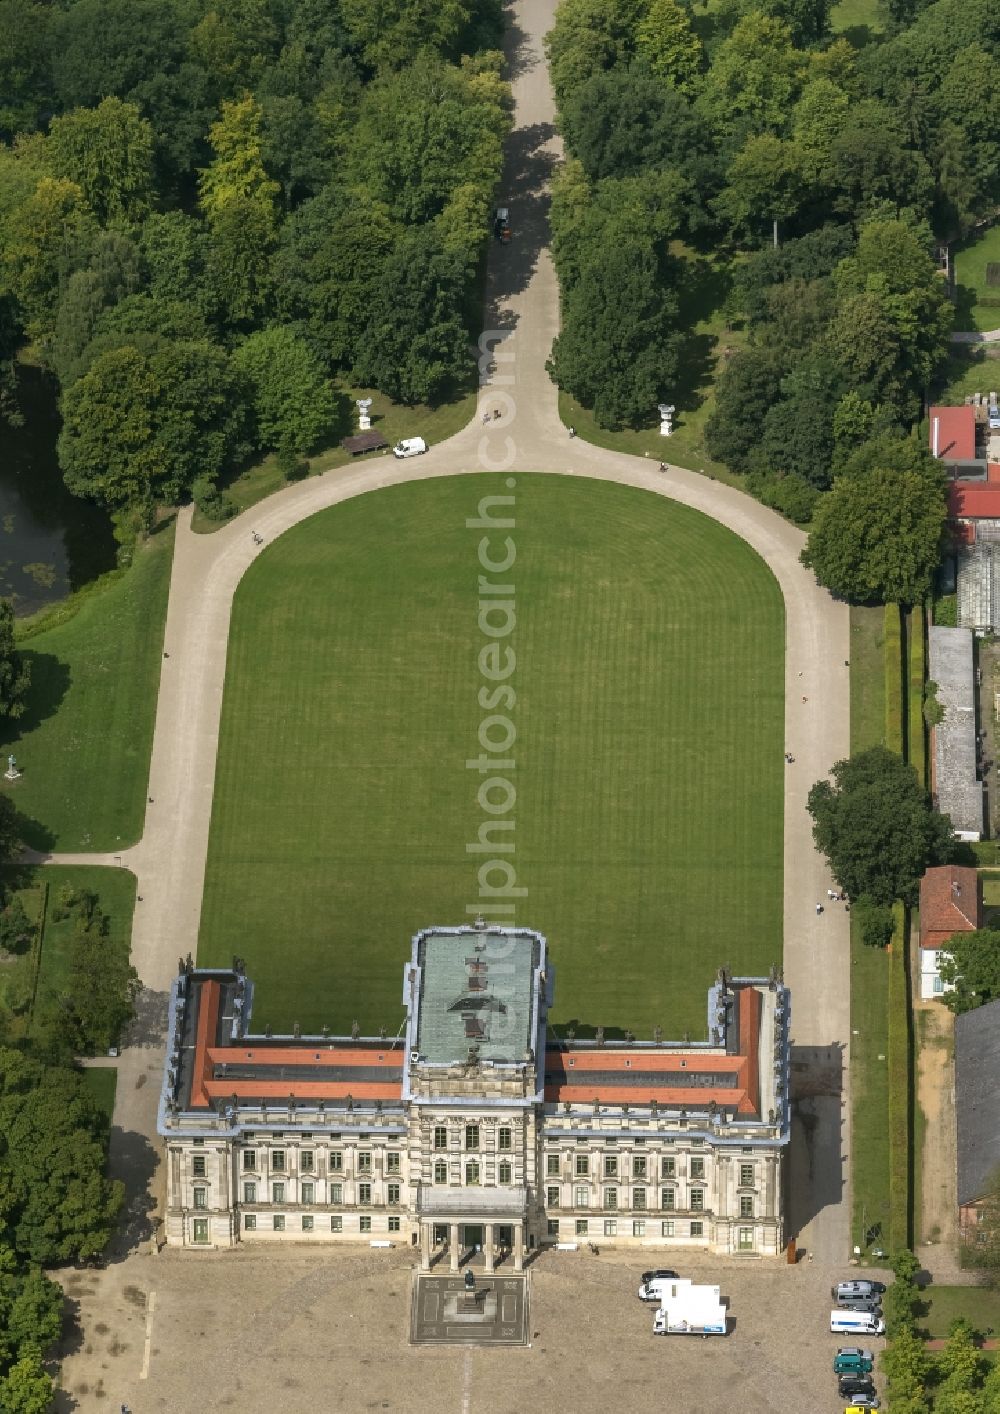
519, 1247
425, 1247
453, 1246
488, 1247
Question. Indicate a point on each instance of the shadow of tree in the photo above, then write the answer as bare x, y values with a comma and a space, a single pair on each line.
50, 681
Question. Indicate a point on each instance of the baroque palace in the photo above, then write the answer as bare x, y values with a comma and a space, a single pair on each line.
476, 1127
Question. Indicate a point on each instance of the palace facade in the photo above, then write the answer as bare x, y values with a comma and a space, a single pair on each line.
476, 1126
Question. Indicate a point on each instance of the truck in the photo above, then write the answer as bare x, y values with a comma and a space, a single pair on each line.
689, 1309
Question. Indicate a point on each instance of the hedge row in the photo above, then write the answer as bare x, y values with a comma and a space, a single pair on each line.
918, 668
900, 1082
893, 650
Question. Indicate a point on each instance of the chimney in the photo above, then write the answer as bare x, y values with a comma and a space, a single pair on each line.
936, 436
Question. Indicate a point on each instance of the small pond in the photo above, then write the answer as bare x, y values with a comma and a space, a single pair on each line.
50, 542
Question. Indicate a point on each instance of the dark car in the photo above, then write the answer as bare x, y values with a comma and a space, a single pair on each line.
660, 1274
862, 1303
855, 1384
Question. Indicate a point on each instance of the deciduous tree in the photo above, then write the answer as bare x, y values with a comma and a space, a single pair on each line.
108, 152
876, 826
292, 401
972, 965
15, 673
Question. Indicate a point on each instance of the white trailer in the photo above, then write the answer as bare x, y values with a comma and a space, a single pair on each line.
688, 1309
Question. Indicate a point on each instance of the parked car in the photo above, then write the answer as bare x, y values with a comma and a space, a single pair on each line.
658, 1274
851, 1359
855, 1384
866, 1401
650, 1290
861, 1303
844, 1290
410, 447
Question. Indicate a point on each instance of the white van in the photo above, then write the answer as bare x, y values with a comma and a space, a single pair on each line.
856, 1323
410, 447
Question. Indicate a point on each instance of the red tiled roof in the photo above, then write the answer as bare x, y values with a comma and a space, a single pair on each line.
565, 1068
956, 433
951, 901
974, 500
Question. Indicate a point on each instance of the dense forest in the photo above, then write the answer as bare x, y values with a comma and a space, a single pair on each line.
828, 172
211, 210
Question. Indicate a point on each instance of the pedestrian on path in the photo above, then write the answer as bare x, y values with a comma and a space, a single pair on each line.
819, 908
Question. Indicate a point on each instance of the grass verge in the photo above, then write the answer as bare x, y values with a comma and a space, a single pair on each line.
978, 1305
649, 720
84, 741
392, 420
871, 1206
41, 975
102, 1082
977, 303
900, 1086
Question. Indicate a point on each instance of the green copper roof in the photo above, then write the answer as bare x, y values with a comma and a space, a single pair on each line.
476, 991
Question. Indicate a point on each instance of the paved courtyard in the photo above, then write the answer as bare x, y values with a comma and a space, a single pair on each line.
283, 1331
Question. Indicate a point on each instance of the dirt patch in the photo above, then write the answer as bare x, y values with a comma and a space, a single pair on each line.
937, 1220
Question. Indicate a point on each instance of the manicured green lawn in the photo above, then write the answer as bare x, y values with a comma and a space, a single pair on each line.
83, 744
392, 420
979, 1306
969, 368
971, 260
102, 1082
869, 970
39, 889
856, 16
649, 718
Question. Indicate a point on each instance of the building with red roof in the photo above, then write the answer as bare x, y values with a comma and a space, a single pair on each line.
477, 1125
951, 901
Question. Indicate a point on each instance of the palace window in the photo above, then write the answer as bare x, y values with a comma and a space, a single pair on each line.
198, 1165
249, 1192
278, 1223
249, 1158
307, 1222
336, 1193
277, 1192
336, 1223
505, 1171
552, 1165
364, 1193
746, 1205
581, 1227
639, 1167
611, 1198
308, 1193
392, 1193
307, 1161
440, 1137
249, 1222
610, 1166
200, 1198
199, 1229
440, 1171
582, 1165
669, 1168
697, 1167
505, 1140
278, 1160
610, 1227
697, 1229
581, 1196
696, 1201
638, 1198
667, 1228
336, 1161
364, 1163
392, 1163
365, 1224
471, 1173
746, 1239
553, 1227
472, 1136
394, 1224
638, 1228
667, 1198
552, 1196
746, 1175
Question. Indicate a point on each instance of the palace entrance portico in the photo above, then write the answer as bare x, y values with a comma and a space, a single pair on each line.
489, 1219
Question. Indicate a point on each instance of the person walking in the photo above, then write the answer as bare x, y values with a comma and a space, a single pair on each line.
819, 908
